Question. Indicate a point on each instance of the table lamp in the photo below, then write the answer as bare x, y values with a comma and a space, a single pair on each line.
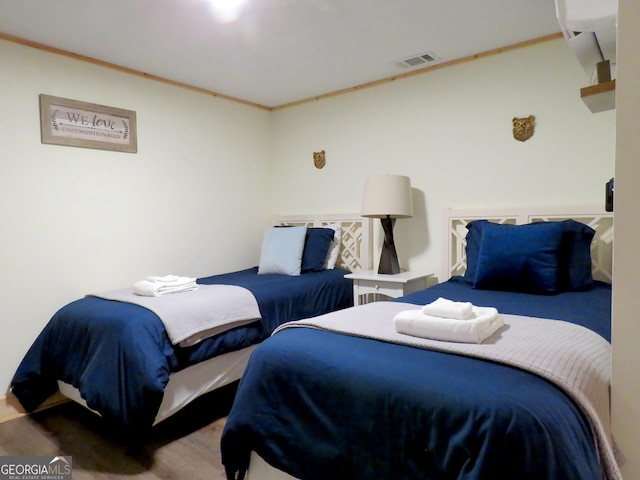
387, 197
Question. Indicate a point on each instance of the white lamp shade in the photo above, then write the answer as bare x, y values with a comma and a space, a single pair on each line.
387, 195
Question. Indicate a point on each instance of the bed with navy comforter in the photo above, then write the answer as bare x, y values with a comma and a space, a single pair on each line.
120, 358
317, 404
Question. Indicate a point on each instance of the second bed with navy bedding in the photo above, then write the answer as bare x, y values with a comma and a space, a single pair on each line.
119, 357
320, 405
331, 399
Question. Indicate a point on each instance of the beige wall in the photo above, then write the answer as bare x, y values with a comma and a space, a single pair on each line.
74, 220
451, 131
626, 301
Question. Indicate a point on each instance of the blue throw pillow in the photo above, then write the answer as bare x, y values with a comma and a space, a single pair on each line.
282, 250
472, 249
522, 258
316, 247
575, 257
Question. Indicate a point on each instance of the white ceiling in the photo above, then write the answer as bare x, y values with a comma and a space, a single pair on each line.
276, 51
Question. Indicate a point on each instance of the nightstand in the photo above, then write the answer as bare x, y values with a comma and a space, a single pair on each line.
370, 283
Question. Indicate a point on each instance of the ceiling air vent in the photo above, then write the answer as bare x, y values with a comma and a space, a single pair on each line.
417, 60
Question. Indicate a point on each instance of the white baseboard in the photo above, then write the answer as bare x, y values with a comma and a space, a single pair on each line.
10, 407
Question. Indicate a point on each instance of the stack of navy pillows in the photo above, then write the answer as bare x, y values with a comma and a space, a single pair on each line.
540, 257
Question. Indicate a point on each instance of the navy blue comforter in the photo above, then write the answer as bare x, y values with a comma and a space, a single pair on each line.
119, 356
321, 405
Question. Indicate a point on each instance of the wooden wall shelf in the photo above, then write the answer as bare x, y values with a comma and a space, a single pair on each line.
600, 97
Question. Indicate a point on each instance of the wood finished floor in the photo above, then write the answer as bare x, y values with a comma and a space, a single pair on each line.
185, 446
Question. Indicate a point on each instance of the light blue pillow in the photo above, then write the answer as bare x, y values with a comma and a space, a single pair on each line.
282, 250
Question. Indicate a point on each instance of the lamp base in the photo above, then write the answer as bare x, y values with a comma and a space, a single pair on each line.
388, 257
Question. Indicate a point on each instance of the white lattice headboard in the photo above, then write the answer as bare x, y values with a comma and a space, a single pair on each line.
455, 221
356, 240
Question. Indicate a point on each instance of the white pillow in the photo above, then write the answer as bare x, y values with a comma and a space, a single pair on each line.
334, 247
282, 249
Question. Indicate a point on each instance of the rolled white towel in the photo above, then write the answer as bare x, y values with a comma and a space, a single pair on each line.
485, 323
156, 289
443, 307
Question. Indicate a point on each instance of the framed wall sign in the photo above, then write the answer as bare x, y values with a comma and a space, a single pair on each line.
81, 124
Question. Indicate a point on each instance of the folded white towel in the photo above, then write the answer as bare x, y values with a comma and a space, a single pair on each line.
170, 279
485, 322
443, 307
156, 289
164, 279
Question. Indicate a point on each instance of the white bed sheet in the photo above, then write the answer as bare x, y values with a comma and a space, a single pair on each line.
188, 384
261, 470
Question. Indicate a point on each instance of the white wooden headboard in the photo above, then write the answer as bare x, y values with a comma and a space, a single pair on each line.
356, 241
455, 220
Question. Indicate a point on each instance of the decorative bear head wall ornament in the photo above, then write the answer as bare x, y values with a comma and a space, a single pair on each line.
319, 159
523, 128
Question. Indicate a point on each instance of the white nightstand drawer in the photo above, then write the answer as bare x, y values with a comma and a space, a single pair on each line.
370, 284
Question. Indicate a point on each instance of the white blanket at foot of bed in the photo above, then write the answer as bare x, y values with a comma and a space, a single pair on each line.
190, 317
